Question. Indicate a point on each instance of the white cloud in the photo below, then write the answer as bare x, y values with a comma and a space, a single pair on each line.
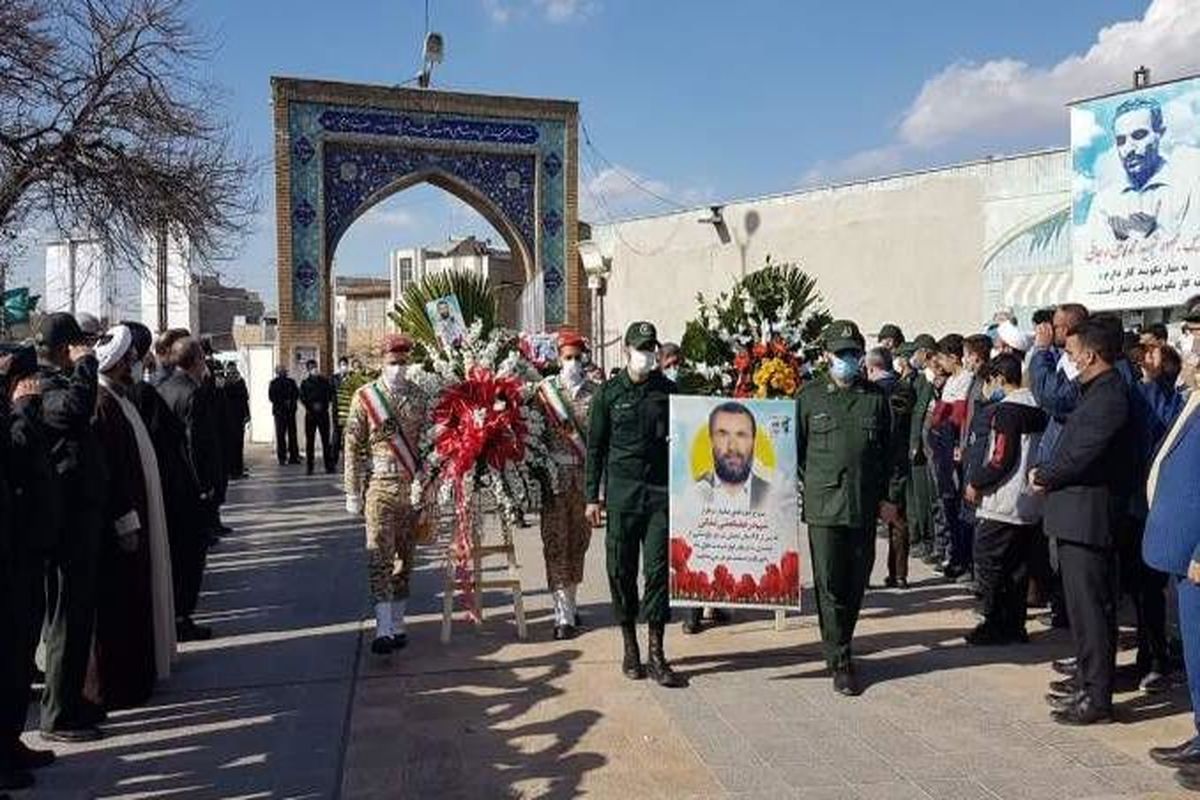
1009, 99
398, 218
556, 11
615, 192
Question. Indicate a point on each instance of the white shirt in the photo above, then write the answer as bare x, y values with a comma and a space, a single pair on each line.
730, 497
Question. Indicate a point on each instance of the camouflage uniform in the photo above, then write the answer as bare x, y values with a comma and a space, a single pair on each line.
382, 488
566, 532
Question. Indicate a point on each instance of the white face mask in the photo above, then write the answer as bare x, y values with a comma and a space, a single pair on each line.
393, 375
641, 362
136, 370
929, 374
572, 372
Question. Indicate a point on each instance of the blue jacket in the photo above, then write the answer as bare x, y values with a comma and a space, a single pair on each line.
1172, 537
1056, 394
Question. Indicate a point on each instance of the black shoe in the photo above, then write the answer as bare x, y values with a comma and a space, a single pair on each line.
631, 661
564, 632
329, 470
1054, 621
1065, 688
73, 735
720, 616
985, 635
694, 622
15, 778
24, 757
293, 461
657, 667
1019, 636
399, 641
1189, 779
283, 463
889, 582
310, 470
845, 683
1155, 682
382, 646
1181, 755
1060, 702
1084, 712
92, 714
1065, 666
578, 620
188, 631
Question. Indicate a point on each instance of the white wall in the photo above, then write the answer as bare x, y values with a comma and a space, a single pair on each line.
183, 300
908, 249
100, 288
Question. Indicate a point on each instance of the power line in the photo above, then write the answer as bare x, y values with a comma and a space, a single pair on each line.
632, 179
602, 204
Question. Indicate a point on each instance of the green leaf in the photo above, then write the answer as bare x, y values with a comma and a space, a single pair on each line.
474, 297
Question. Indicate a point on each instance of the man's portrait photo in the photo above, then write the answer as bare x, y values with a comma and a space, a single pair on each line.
446, 316
733, 483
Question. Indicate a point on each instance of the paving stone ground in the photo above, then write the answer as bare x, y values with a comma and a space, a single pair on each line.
288, 701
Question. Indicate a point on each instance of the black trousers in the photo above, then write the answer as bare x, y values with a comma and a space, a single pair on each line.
189, 553
1090, 590
318, 423
287, 447
236, 447
1002, 572
70, 620
22, 606
1148, 589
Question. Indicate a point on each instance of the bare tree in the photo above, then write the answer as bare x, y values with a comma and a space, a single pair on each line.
106, 128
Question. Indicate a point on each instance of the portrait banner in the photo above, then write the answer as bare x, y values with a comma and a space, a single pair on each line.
1135, 208
734, 521
446, 317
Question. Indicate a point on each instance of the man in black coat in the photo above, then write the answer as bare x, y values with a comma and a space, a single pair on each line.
185, 394
69, 383
1087, 481
30, 521
181, 492
284, 396
237, 406
316, 393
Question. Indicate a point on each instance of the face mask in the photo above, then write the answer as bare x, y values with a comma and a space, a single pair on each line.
311, 372
393, 374
996, 395
845, 367
641, 362
572, 372
671, 373
136, 370
929, 374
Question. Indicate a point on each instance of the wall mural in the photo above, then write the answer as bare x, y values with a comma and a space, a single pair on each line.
342, 158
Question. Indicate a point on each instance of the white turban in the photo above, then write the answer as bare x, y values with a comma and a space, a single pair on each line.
113, 346
1013, 336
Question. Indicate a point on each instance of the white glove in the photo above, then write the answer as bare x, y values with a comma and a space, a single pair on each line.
354, 504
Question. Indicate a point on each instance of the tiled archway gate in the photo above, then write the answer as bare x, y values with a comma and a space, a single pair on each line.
341, 148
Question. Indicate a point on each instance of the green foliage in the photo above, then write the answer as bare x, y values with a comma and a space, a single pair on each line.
474, 297
779, 301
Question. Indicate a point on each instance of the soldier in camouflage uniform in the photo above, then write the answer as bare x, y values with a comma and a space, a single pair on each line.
383, 427
566, 532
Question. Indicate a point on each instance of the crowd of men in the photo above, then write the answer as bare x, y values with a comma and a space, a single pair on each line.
116, 449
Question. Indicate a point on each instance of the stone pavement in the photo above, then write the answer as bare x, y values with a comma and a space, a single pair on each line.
288, 702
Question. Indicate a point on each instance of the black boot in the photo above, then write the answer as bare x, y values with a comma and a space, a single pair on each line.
656, 663
631, 664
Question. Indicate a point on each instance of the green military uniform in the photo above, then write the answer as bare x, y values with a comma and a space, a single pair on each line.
848, 467
627, 446
920, 494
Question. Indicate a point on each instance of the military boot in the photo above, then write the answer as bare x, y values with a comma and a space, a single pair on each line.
656, 663
631, 664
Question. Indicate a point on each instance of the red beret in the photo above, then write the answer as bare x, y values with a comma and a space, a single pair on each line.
395, 343
570, 339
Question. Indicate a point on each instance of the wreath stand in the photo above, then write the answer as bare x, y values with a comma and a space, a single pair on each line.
479, 584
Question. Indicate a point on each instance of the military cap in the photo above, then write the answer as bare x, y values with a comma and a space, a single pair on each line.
1191, 310
58, 329
951, 344
891, 331
567, 338
23, 363
924, 342
641, 336
395, 343
907, 350
842, 334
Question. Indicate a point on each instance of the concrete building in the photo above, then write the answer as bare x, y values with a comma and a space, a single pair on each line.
936, 250
220, 307
503, 273
360, 316
79, 278
181, 294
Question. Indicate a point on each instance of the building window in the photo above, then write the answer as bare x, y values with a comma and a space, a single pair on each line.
363, 315
406, 272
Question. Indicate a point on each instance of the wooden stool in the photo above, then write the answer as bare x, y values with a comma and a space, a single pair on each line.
479, 585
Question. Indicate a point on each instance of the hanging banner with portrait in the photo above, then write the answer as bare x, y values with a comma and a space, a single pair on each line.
734, 521
1136, 197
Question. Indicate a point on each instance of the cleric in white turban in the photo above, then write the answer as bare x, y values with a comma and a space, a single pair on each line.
135, 616
1011, 339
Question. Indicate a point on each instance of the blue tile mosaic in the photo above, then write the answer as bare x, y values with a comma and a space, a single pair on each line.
345, 159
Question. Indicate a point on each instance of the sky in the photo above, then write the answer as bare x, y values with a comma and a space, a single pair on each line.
699, 100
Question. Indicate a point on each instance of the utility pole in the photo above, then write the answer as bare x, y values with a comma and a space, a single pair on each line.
160, 274
3, 291
72, 284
